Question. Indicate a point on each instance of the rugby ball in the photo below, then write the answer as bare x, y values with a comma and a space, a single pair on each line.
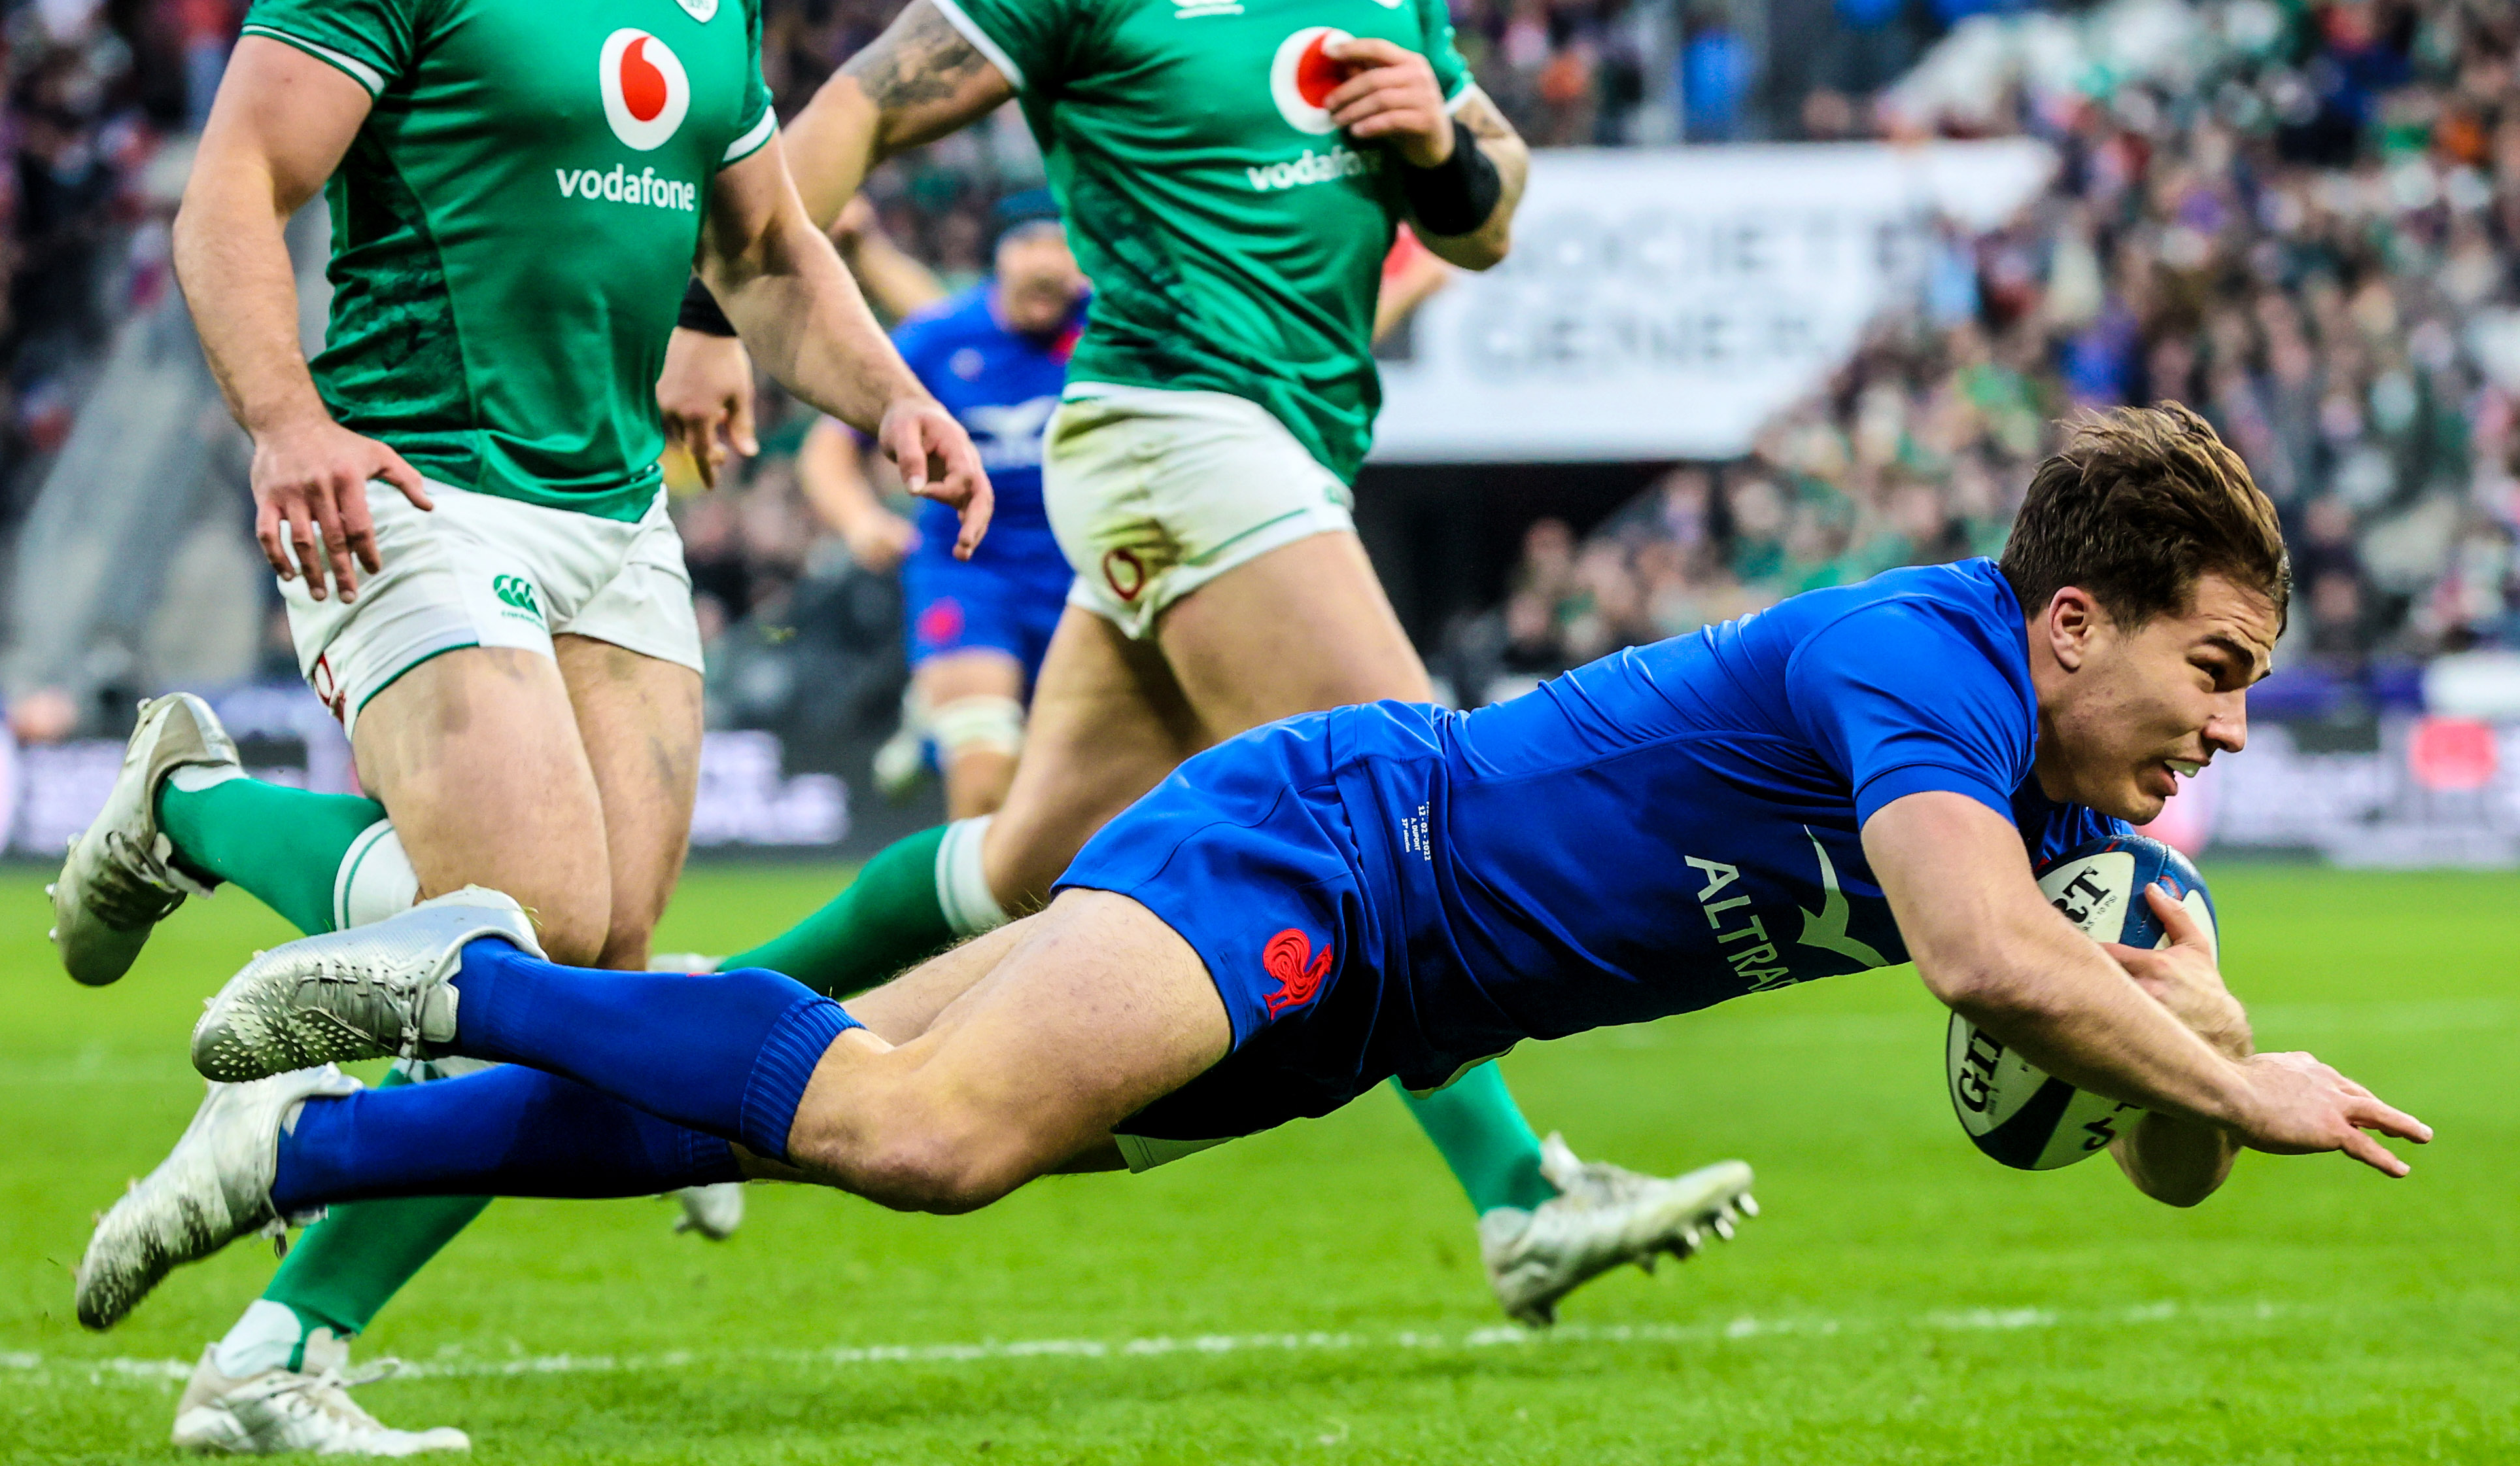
2014, 1112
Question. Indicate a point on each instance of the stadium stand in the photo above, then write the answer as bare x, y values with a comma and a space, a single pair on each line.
2299, 219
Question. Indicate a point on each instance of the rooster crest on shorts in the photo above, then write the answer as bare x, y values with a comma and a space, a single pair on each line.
1288, 957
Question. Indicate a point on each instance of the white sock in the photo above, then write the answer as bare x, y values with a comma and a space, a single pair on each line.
269, 1337
376, 879
961, 886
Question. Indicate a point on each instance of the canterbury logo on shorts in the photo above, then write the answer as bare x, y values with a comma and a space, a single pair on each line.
518, 594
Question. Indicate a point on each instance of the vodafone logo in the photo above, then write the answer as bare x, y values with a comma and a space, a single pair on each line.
645, 90
1303, 76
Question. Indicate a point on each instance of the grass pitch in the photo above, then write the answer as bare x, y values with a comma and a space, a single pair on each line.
1313, 1295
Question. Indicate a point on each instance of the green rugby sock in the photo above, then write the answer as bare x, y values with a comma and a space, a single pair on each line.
1484, 1138
887, 919
346, 1267
284, 845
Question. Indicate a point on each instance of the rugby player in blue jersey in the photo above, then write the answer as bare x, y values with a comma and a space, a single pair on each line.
1856, 777
996, 355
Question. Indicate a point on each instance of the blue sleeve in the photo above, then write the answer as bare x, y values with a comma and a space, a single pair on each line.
1902, 700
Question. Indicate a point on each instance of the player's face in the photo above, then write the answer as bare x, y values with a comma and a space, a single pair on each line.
2138, 709
1037, 282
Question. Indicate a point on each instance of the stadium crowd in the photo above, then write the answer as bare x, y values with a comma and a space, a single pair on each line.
2302, 222
95, 94
2309, 238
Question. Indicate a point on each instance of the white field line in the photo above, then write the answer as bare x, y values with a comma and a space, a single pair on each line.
36, 1369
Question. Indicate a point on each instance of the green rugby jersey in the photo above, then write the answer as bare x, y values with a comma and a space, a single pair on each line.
1233, 236
514, 222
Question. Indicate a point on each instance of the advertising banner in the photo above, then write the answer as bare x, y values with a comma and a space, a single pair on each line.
1666, 302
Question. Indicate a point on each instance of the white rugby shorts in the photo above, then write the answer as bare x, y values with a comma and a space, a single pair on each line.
480, 571
1153, 493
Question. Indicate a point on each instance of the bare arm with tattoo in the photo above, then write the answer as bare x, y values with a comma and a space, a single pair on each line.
918, 82
1487, 244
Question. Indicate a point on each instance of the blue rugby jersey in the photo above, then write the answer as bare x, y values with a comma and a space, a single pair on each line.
1676, 825
1001, 386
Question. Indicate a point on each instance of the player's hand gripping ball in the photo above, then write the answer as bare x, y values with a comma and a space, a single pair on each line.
2016, 1114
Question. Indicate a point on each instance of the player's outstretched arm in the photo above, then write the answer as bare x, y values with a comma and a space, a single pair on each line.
281, 124
1991, 950
781, 284
836, 485
895, 284
1464, 183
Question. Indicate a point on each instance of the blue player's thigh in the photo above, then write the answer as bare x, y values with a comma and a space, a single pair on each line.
1245, 853
1095, 1010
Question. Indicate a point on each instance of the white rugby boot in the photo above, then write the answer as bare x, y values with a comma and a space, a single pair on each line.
121, 879
1602, 1216
714, 1210
296, 1409
900, 764
369, 992
213, 1189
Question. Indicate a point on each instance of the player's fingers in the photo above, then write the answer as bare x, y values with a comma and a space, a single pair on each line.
359, 527
337, 548
2372, 1114
1391, 96
2373, 1153
707, 453
905, 443
978, 499
301, 544
266, 532
1373, 51
2183, 929
1366, 83
1403, 124
399, 472
738, 425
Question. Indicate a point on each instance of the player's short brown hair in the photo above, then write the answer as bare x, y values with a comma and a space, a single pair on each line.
2136, 505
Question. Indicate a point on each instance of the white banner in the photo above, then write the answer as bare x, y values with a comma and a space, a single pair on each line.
1667, 303
51, 792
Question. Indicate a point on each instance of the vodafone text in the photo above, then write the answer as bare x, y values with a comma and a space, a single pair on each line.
621, 186
1314, 168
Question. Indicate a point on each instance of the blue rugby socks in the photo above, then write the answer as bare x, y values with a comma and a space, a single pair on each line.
726, 1053
509, 1132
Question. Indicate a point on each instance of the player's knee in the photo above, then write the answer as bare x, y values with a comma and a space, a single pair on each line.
982, 723
921, 1164
628, 933
938, 1177
573, 925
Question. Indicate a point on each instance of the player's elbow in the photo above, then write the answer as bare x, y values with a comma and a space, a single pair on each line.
2176, 1163
1979, 986
1484, 249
